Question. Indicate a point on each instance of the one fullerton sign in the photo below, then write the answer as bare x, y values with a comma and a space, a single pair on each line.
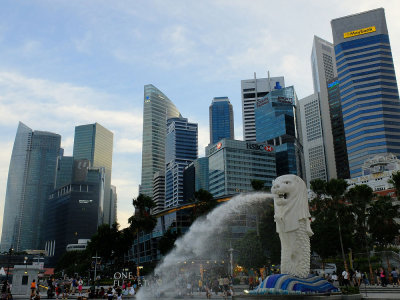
359, 32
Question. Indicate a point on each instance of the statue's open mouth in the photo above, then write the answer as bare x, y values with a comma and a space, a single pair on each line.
284, 195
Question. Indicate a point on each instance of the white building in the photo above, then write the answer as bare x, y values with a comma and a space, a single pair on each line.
313, 138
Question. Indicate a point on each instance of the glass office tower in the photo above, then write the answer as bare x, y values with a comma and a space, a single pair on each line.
30, 181
157, 108
368, 87
253, 90
221, 120
180, 151
95, 143
276, 118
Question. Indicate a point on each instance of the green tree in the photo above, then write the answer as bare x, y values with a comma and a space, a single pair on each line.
250, 251
204, 203
142, 220
167, 241
258, 185
395, 181
269, 237
335, 189
382, 225
73, 262
360, 198
104, 241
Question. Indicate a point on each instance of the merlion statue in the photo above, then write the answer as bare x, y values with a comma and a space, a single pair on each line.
292, 218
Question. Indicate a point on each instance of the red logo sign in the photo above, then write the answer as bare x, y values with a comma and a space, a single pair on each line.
219, 145
269, 148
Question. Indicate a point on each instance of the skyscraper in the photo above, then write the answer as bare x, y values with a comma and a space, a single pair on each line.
253, 90
339, 138
180, 151
95, 143
277, 125
157, 109
221, 120
368, 87
30, 181
313, 143
324, 69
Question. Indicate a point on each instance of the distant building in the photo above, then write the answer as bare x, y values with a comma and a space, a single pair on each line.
339, 138
195, 177
376, 173
233, 164
253, 90
277, 124
31, 179
114, 204
95, 143
180, 151
157, 109
75, 209
158, 191
368, 87
221, 120
313, 143
323, 65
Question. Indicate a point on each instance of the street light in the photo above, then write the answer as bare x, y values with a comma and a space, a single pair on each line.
26, 264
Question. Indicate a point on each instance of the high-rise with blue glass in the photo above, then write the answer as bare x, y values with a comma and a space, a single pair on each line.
180, 151
157, 108
276, 124
368, 87
221, 120
31, 179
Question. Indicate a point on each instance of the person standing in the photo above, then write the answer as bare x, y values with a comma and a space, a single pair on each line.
80, 286
345, 275
382, 276
395, 276
33, 289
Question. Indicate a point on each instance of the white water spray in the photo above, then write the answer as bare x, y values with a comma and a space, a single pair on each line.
195, 243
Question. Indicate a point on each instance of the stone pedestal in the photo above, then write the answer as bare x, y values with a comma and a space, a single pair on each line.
22, 279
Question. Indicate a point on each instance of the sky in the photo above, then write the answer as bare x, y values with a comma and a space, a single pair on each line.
69, 63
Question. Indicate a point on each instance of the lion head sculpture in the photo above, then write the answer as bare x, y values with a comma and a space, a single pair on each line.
290, 203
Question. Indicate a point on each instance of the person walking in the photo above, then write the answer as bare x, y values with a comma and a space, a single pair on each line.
345, 275
33, 289
382, 276
395, 276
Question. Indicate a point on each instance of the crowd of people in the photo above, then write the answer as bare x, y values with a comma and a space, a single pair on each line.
381, 277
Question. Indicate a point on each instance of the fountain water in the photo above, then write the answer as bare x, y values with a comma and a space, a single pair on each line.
196, 243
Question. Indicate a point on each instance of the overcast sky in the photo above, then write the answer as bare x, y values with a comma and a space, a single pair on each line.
68, 63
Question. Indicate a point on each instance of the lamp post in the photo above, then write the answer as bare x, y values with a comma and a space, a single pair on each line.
95, 268
8, 262
26, 264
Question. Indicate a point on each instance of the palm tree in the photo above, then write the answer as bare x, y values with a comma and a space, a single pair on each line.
360, 197
142, 220
335, 188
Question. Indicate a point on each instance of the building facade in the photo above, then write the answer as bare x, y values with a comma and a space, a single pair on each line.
95, 143
368, 87
339, 138
313, 142
277, 124
195, 177
233, 164
157, 108
75, 209
323, 67
31, 179
180, 151
253, 90
158, 191
221, 120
